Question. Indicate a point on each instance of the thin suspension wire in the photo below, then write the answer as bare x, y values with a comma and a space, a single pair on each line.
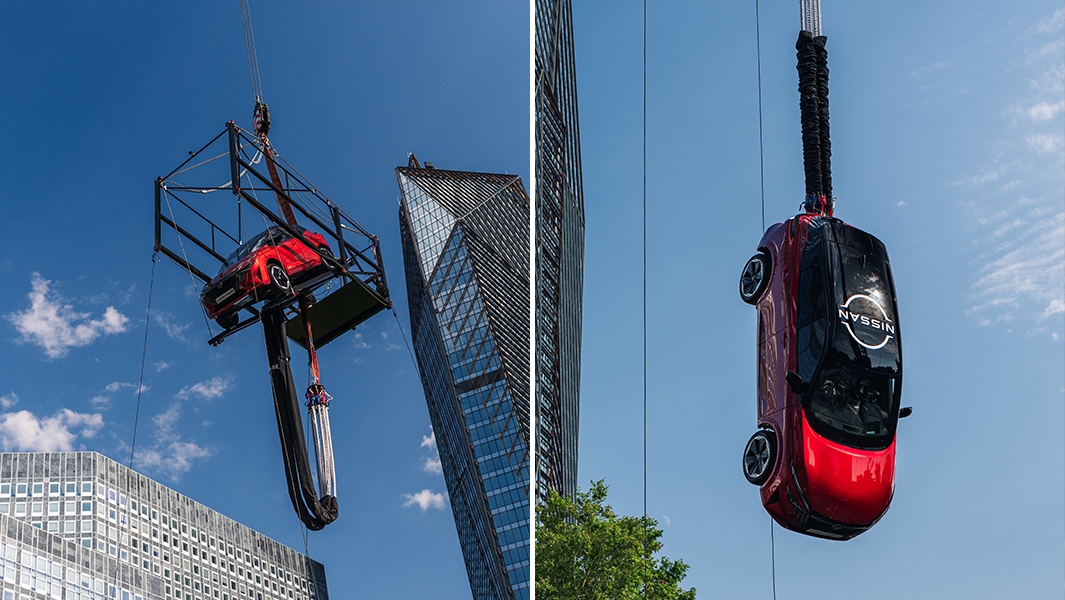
144, 355
761, 151
404, 334
773, 545
646, 545
761, 174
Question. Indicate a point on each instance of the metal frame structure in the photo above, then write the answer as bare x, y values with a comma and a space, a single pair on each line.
357, 263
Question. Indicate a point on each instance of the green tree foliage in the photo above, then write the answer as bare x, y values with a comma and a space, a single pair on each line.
584, 551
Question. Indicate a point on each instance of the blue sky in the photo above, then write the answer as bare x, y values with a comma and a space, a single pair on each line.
101, 98
947, 138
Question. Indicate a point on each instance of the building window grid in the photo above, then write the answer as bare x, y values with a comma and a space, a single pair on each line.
120, 500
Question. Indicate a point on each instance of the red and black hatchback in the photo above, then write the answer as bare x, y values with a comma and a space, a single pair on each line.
264, 267
829, 376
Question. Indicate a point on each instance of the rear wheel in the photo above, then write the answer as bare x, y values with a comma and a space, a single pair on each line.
279, 281
755, 278
759, 456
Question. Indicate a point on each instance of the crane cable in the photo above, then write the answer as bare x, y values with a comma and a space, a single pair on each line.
249, 46
646, 529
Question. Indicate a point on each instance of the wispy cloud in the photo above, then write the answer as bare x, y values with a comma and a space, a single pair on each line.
176, 331
100, 402
24, 431
161, 366
425, 500
170, 453
53, 324
115, 386
359, 342
1015, 199
206, 390
431, 464
1052, 24
8, 400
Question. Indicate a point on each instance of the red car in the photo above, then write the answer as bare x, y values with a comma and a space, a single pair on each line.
829, 376
263, 267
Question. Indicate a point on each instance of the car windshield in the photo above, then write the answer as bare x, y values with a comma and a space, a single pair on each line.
272, 236
853, 406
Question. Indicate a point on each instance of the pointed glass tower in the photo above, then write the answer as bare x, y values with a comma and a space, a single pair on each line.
559, 251
466, 256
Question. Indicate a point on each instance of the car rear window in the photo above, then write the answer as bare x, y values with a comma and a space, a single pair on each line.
867, 331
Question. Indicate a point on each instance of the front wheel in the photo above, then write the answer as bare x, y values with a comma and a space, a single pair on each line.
759, 456
755, 278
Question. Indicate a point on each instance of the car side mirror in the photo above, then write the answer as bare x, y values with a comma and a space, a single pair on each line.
905, 411
795, 382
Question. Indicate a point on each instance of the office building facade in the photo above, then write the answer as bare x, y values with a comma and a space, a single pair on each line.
465, 243
559, 251
80, 526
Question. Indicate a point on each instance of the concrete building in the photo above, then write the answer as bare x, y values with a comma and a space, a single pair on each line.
78, 525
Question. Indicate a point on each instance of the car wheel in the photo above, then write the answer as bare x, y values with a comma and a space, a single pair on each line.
759, 456
279, 281
227, 320
755, 278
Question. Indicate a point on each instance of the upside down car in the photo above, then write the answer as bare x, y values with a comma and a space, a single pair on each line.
264, 267
829, 376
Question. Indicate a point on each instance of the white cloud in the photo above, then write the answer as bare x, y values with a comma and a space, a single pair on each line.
23, 431
431, 464
1045, 111
164, 422
1020, 226
114, 386
429, 441
900, 203
56, 327
207, 390
100, 402
170, 454
174, 330
161, 366
390, 347
174, 459
360, 343
1051, 24
425, 500
1056, 306
1046, 143
8, 400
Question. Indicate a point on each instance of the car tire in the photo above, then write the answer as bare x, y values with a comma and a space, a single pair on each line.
279, 282
759, 456
755, 278
227, 320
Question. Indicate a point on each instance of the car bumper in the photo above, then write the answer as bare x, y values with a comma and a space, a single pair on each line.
224, 293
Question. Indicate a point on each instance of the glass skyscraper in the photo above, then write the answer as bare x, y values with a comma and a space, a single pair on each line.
559, 251
466, 256
80, 526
